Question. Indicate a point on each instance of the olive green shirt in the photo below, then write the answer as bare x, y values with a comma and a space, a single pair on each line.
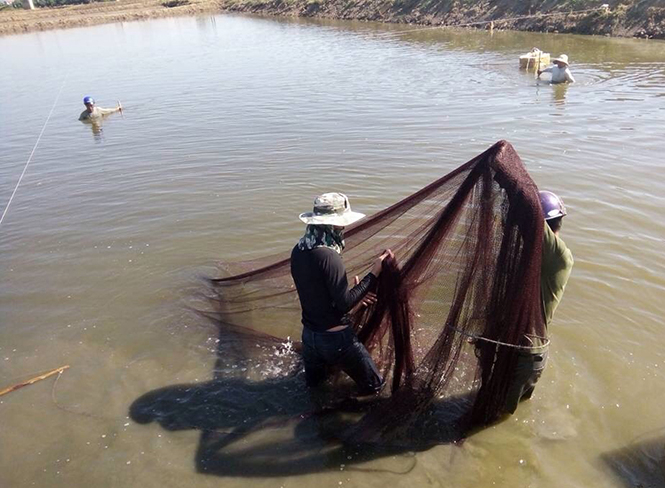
557, 263
97, 113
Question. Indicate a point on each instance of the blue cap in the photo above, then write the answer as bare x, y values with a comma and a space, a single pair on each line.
88, 99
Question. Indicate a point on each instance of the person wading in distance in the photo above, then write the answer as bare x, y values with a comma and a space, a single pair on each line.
560, 71
93, 112
328, 337
556, 266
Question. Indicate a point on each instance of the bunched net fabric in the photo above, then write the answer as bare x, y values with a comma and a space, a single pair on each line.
464, 289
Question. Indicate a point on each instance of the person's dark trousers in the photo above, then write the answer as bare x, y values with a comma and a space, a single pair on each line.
322, 350
530, 365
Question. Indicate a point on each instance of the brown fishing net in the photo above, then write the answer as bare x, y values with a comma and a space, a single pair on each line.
453, 310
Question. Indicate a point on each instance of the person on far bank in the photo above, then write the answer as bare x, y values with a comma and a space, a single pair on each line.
93, 112
555, 269
560, 71
319, 274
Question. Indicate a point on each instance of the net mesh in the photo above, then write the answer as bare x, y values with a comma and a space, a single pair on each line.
469, 250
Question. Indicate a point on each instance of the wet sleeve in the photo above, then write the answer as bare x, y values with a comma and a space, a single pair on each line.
338, 286
547, 70
563, 272
106, 111
549, 241
569, 76
556, 253
567, 261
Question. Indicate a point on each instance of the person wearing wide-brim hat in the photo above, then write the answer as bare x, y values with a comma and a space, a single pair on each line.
320, 278
560, 71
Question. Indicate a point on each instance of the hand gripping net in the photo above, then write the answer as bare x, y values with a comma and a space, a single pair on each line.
451, 317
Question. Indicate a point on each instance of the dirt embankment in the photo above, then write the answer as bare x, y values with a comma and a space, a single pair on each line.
626, 18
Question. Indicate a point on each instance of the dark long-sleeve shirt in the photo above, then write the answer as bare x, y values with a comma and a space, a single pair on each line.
323, 289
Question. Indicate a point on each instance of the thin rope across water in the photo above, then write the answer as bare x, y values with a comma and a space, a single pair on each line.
546, 341
18, 183
76, 412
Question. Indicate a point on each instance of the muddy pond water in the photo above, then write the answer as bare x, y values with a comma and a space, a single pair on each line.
231, 126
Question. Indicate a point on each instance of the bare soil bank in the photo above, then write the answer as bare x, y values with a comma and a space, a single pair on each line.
625, 18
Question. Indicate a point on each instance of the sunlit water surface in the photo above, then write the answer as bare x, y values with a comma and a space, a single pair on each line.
232, 126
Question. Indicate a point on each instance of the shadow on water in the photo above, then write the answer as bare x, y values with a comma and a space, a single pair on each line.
278, 427
640, 464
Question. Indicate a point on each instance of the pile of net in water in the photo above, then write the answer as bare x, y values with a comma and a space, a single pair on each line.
469, 250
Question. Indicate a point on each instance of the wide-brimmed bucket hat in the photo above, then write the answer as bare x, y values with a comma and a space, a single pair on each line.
561, 59
331, 209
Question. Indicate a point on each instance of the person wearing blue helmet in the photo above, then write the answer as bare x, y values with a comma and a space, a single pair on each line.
557, 261
555, 269
93, 112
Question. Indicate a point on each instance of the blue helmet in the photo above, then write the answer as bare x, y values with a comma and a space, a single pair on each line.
552, 205
88, 99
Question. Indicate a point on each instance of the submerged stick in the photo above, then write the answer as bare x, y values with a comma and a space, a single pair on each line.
33, 380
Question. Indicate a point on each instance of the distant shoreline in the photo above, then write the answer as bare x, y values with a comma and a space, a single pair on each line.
18, 21
643, 19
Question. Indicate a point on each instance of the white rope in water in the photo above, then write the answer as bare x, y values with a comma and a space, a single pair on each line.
33, 150
505, 344
481, 22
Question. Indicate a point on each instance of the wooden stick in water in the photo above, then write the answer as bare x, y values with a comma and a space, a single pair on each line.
34, 380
